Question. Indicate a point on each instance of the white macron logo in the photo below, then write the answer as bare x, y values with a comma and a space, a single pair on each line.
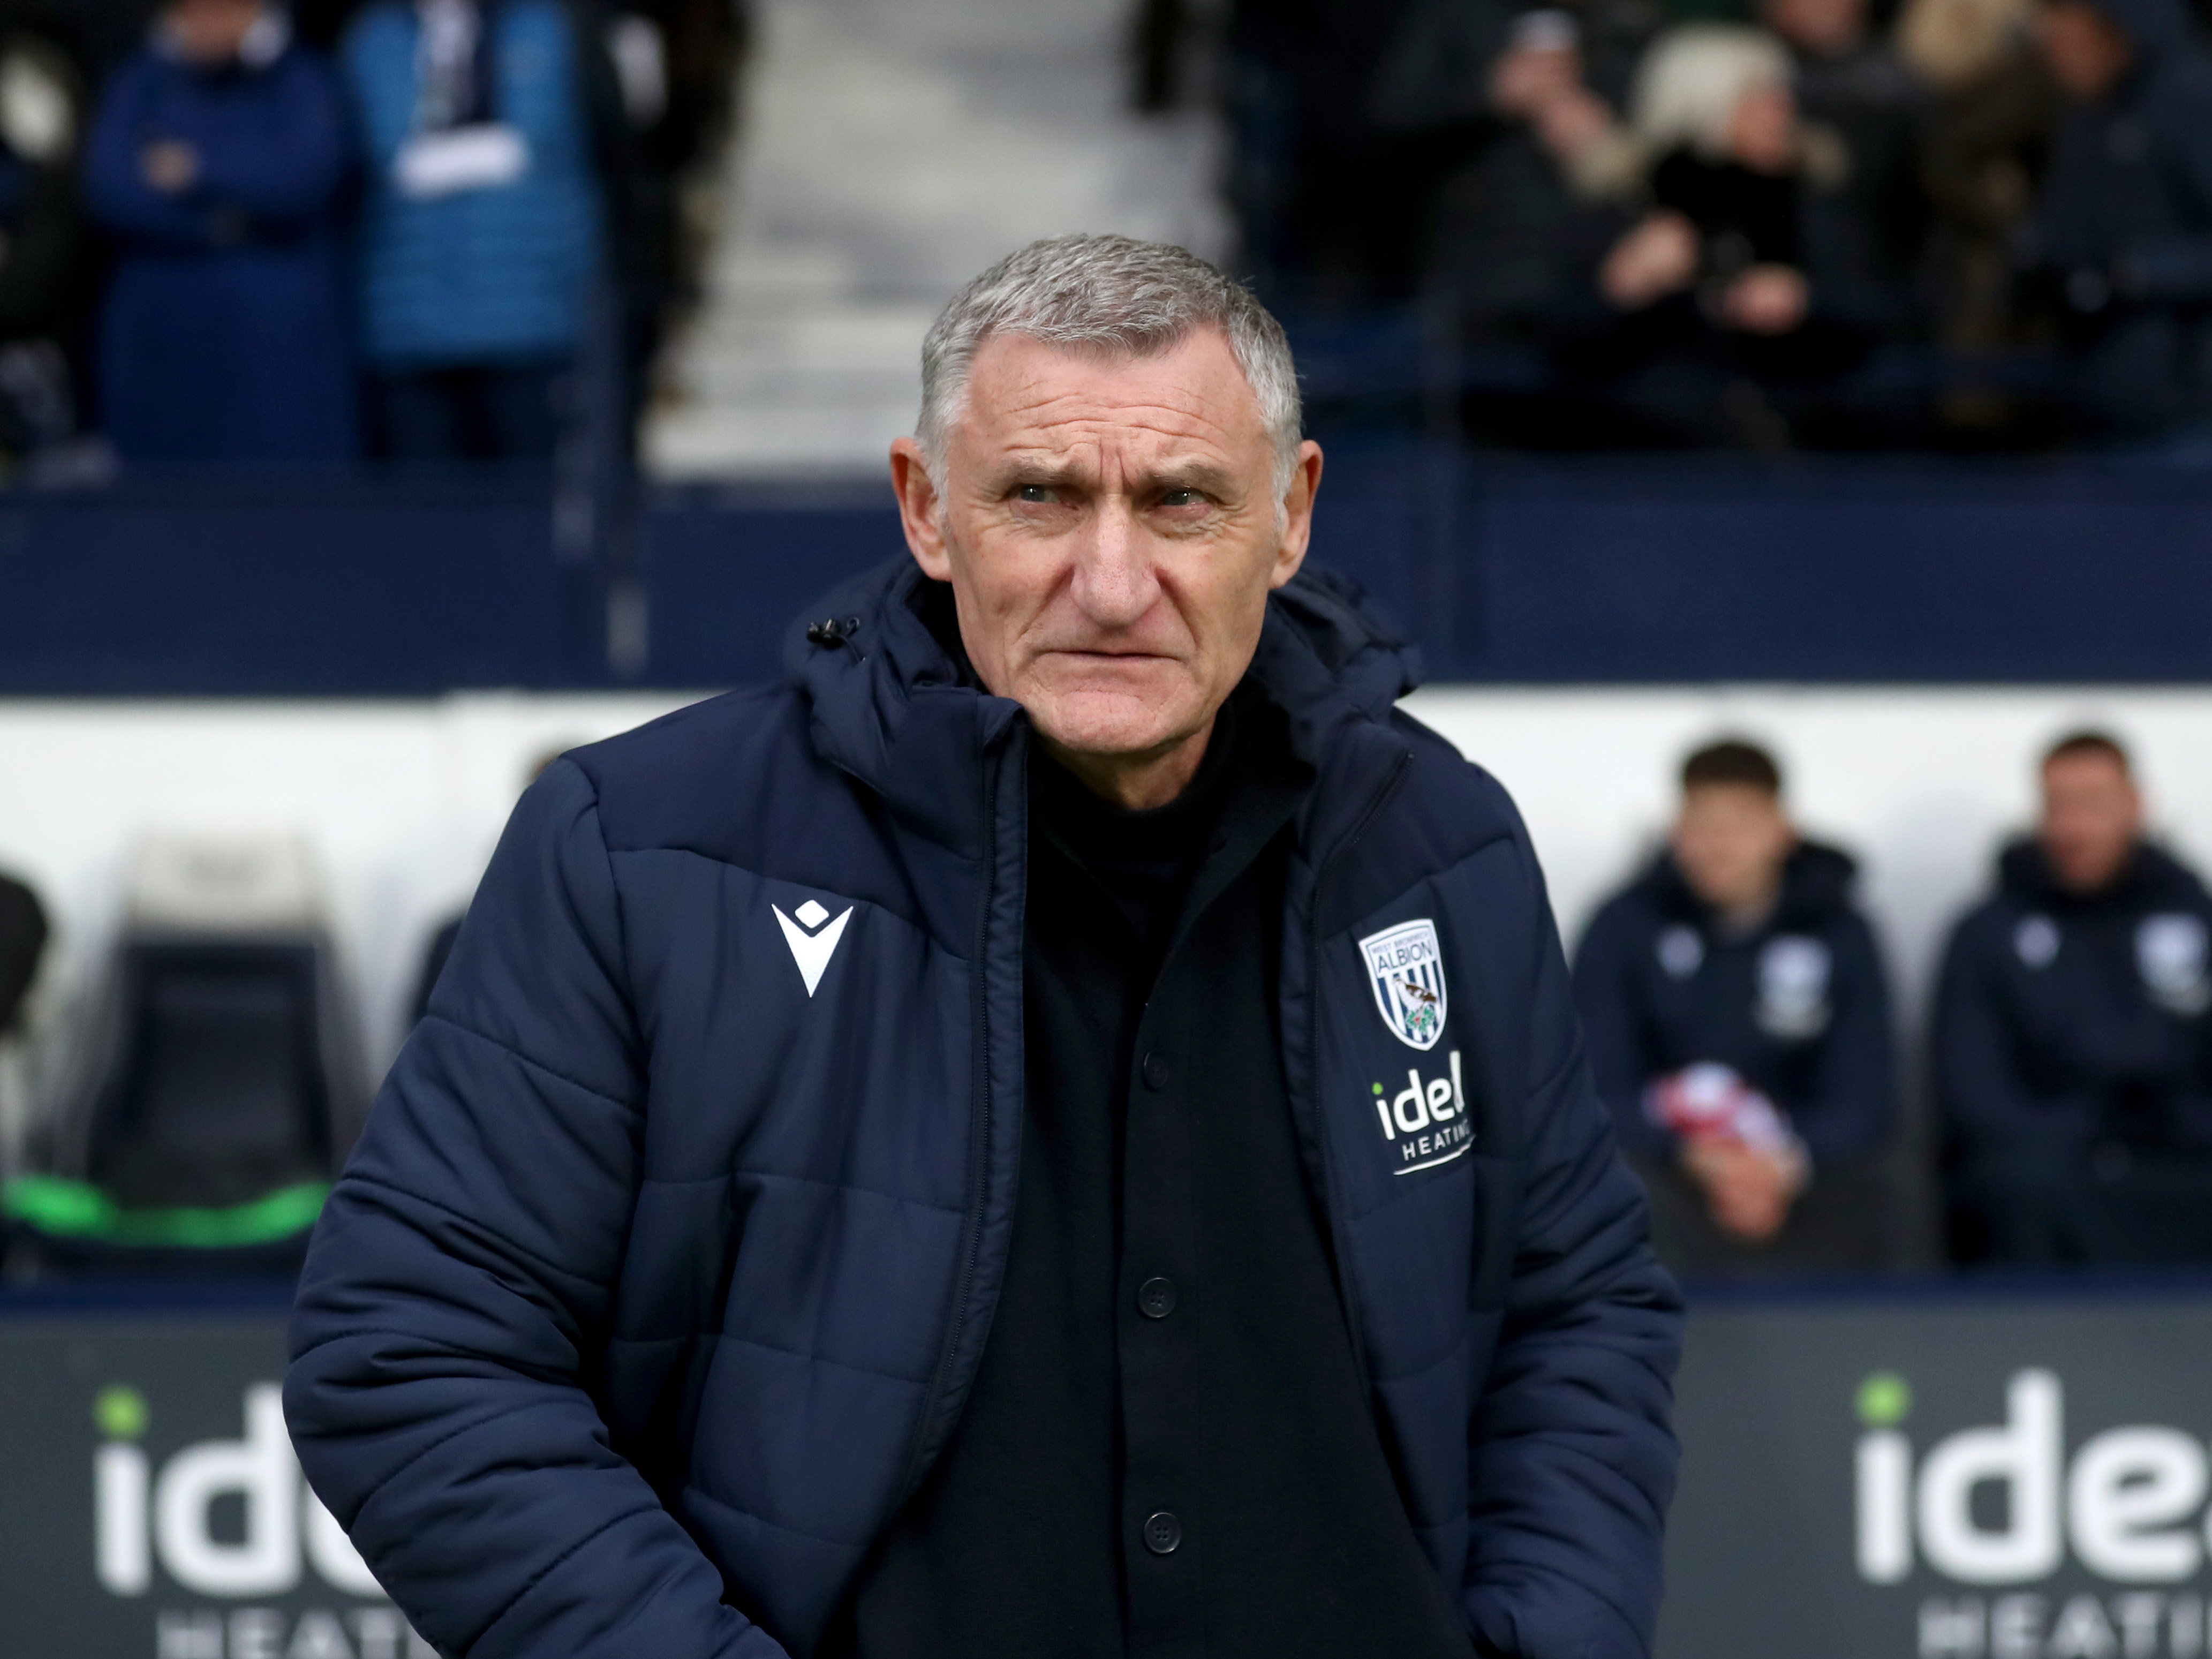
812, 936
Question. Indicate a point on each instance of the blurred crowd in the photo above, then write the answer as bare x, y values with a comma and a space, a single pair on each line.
230, 230
1754, 223
1739, 1023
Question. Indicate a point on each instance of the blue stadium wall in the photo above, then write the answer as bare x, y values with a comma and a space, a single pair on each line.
1671, 570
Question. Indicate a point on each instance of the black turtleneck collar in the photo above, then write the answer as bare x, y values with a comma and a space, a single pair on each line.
1143, 859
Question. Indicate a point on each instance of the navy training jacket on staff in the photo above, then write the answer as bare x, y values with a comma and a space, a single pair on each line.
1798, 1007
661, 1272
2064, 1019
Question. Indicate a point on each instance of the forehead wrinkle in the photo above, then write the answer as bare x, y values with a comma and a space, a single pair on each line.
1091, 441
1172, 407
1041, 425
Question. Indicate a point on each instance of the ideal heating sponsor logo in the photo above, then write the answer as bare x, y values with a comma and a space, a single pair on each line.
1997, 1508
1425, 1123
221, 1526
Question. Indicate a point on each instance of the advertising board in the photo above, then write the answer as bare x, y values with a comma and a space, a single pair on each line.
2012, 1477
152, 1507
1954, 1476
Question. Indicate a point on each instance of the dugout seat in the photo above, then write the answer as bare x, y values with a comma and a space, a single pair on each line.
217, 1088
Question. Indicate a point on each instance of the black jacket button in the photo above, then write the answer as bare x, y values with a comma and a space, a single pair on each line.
1155, 1070
1162, 1532
1155, 1297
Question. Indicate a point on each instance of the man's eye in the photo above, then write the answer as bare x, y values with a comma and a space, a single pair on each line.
1183, 498
1037, 495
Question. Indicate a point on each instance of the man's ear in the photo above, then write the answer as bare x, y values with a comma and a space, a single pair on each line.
1297, 514
921, 509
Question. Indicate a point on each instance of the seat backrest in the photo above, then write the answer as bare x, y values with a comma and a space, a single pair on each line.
217, 1092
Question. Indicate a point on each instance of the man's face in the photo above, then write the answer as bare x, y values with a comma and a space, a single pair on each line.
1111, 533
2087, 51
1730, 842
211, 31
2092, 817
1763, 131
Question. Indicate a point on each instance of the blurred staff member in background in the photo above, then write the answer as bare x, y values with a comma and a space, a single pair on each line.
2122, 243
484, 227
2073, 1053
217, 162
1739, 1022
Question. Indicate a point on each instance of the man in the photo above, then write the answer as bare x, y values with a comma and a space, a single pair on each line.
1739, 1025
2121, 240
1849, 82
1059, 1131
217, 164
1525, 207
489, 207
2073, 1052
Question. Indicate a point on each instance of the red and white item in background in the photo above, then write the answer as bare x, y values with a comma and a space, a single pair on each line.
1709, 1103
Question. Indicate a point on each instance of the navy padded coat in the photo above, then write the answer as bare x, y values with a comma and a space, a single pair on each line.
657, 1280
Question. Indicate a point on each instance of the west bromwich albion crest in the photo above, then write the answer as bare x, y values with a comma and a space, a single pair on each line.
1406, 966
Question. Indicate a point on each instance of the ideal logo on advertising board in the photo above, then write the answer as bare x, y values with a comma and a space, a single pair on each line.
1945, 1478
279, 1533
2005, 1505
154, 1508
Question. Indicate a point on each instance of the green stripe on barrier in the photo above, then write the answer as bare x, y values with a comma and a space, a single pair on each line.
75, 1209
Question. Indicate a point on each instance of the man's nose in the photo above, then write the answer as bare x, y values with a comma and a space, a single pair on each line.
1116, 581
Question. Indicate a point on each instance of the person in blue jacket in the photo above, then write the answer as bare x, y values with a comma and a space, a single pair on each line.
217, 162
2073, 1047
2121, 242
1739, 1025
1057, 1129
483, 228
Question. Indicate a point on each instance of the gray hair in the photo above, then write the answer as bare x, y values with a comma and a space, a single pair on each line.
1112, 296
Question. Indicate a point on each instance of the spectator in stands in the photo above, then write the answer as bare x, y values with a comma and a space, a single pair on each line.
676, 64
1747, 283
2072, 1045
483, 232
1529, 211
2122, 240
43, 275
1984, 156
1738, 1020
1849, 82
217, 162
1333, 204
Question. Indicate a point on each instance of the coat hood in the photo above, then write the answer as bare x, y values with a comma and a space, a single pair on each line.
2152, 877
1816, 885
895, 703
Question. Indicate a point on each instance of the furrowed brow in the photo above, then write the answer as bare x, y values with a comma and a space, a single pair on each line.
1204, 477
1057, 473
